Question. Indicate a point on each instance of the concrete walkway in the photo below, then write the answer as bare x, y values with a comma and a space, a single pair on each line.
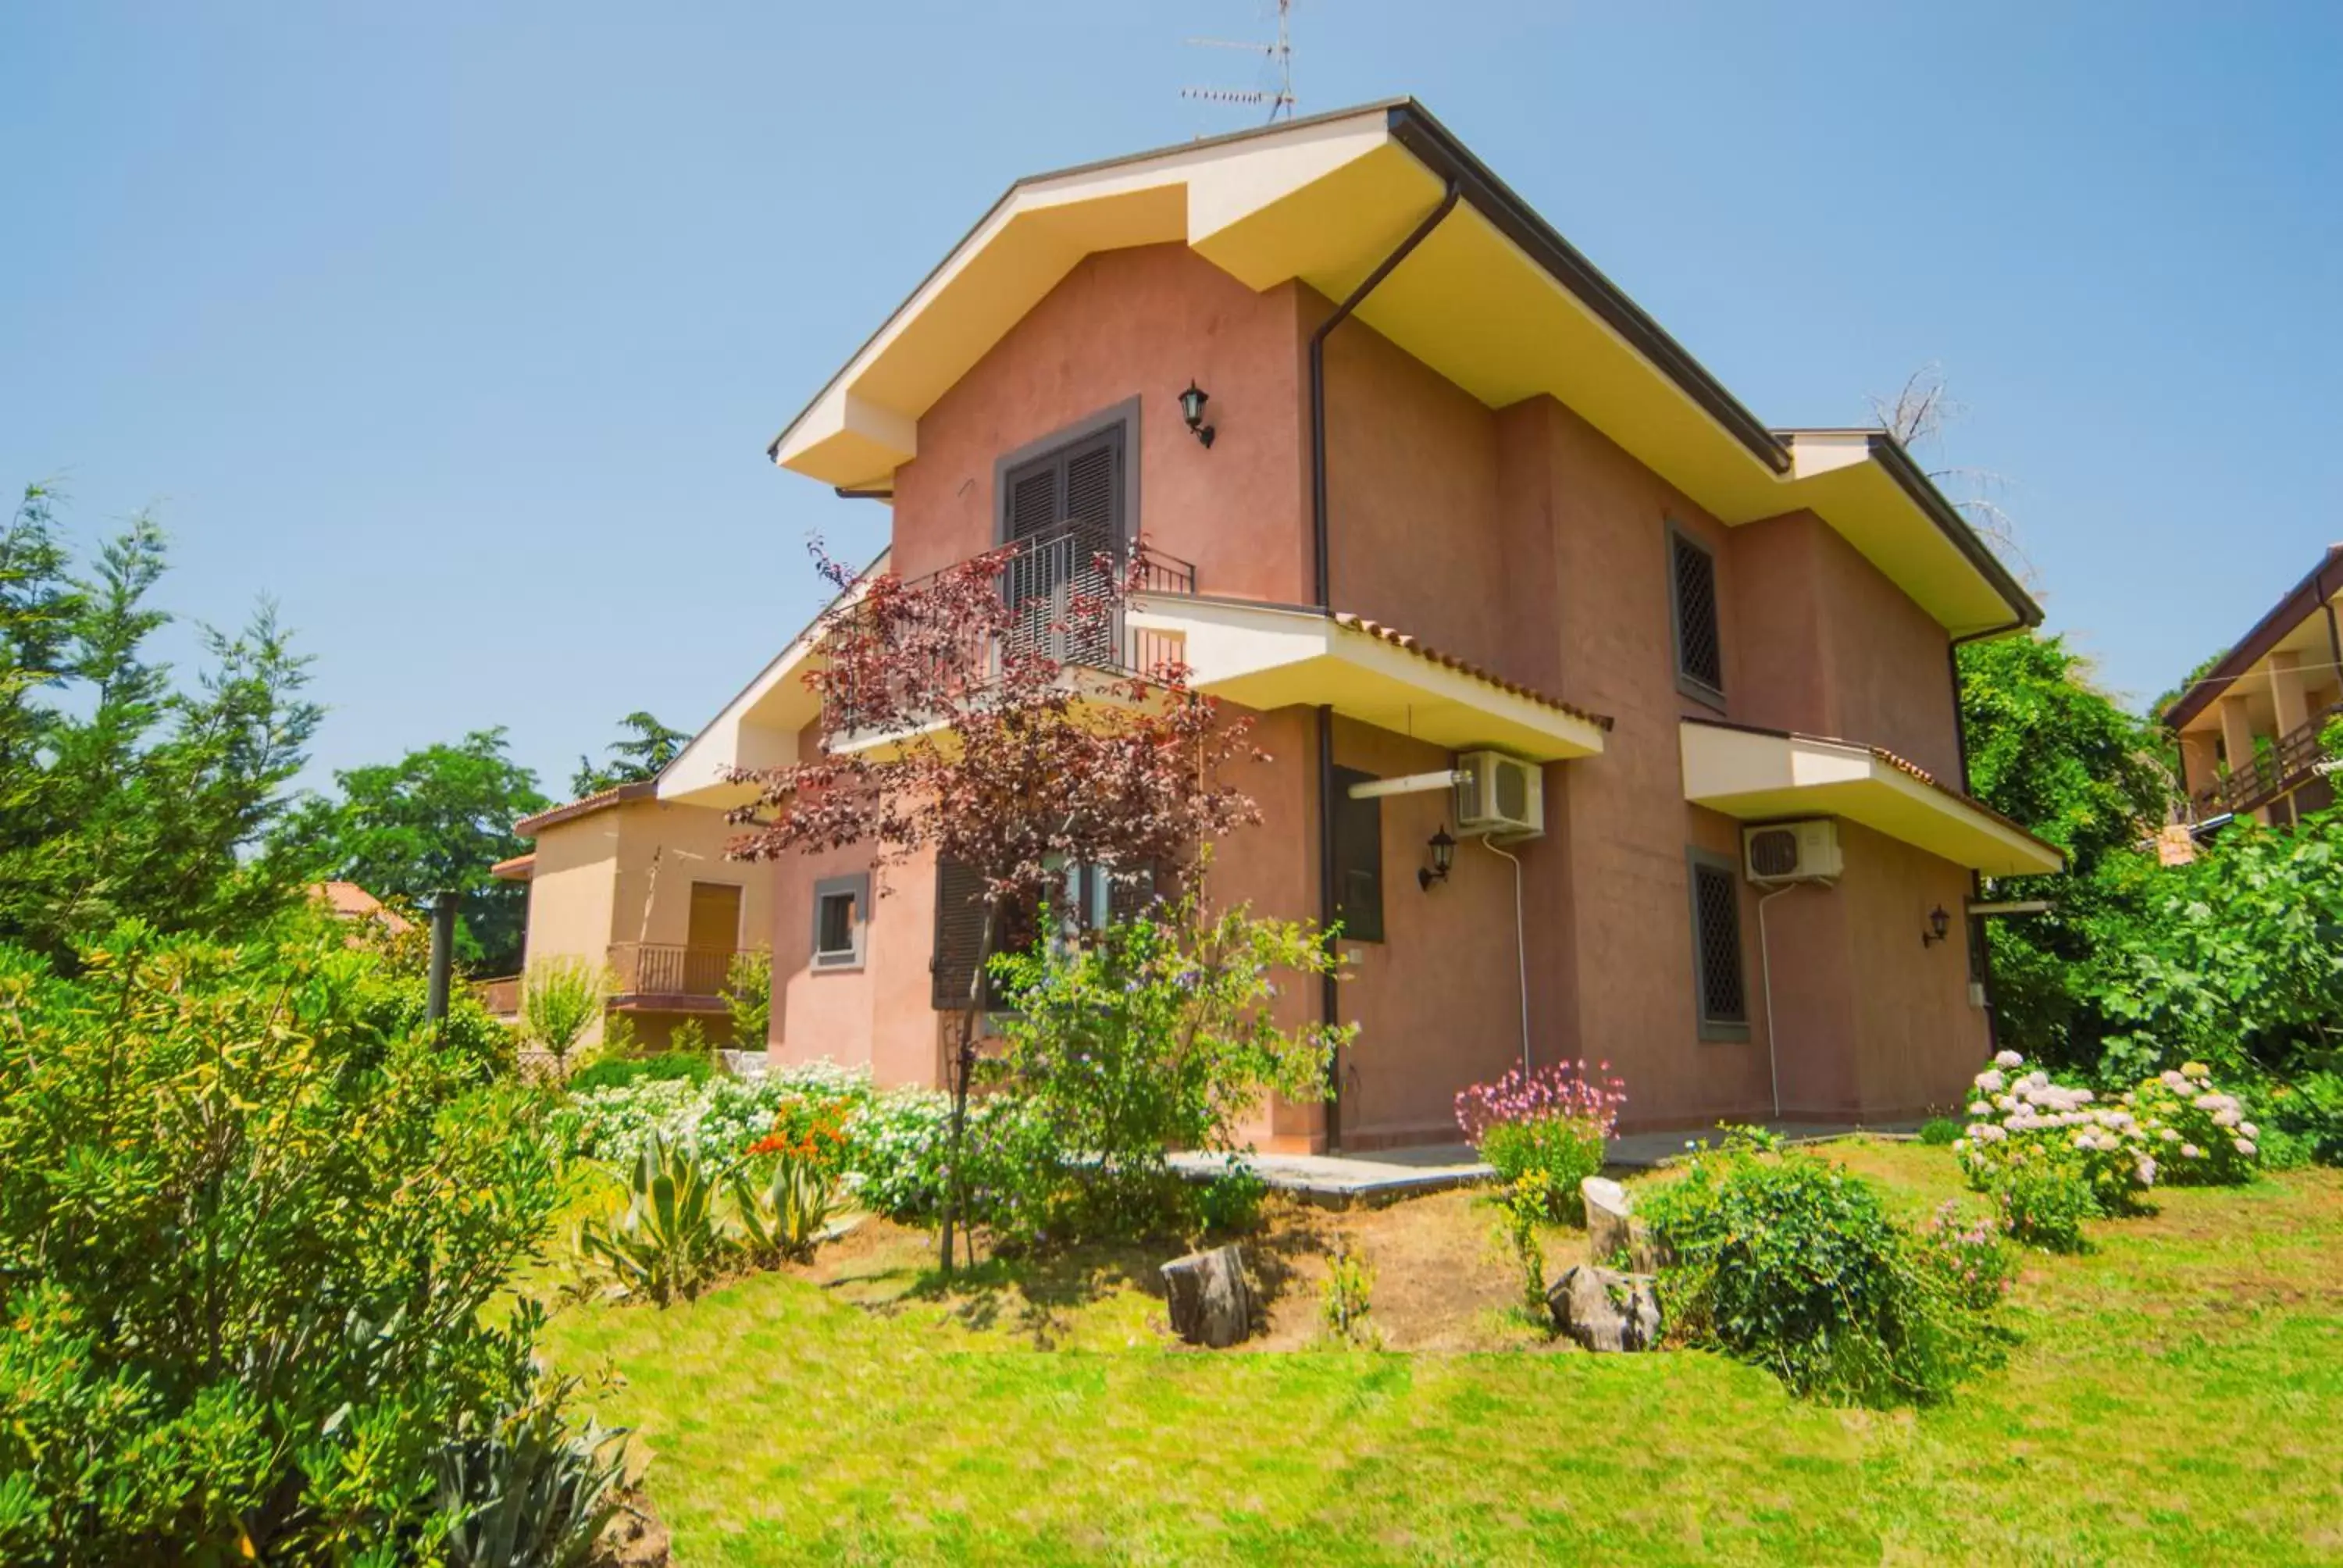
1388, 1175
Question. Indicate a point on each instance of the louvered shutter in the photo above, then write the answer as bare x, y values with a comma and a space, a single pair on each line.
1358, 860
1032, 503
1065, 507
959, 932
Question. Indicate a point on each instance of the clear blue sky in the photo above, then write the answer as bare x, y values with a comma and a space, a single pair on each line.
461, 328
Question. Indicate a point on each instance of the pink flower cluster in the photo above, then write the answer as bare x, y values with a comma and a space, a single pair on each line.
1564, 1089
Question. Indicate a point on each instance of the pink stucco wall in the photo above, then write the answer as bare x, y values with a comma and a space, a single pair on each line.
1525, 540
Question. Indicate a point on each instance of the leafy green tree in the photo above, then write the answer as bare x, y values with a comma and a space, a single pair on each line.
748, 997
435, 820
2051, 751
644, 747
561, 999
126, 796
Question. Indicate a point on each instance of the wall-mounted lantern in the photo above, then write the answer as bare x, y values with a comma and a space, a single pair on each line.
1443, 856
1192, 409
1939, 923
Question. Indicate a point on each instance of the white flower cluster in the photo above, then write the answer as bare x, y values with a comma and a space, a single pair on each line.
2013, 1108
2221, 1118
721, 1116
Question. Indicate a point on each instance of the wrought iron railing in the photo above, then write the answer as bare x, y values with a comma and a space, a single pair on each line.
2266, 775
670, 969
1043, 579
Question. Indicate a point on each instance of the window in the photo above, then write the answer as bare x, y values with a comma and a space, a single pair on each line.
842, 907
1719, 989
1358, 860
1700, 648
1065, 504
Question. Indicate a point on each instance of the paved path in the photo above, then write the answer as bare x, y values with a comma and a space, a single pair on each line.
1387, 1175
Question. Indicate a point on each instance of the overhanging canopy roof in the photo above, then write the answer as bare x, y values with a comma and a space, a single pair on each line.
1756, 776
1493, 299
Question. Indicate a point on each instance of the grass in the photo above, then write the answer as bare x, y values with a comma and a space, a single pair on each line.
2173, 1394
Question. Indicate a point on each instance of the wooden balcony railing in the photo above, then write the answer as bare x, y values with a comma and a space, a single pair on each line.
2266, 775
670, 970
1040, 578
500, 996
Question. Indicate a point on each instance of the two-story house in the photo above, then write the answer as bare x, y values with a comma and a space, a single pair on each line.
2248, 729
1464, 511
641, 887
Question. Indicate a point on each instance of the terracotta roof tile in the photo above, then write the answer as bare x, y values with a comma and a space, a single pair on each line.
352, 902
641, 788
1399, 638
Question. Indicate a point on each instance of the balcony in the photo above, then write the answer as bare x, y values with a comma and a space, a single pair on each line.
1042, 579
669, 977
2288, 763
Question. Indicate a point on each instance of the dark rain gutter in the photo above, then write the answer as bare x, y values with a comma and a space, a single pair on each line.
1976, 882
2275, 624
1319, 555
1889, 453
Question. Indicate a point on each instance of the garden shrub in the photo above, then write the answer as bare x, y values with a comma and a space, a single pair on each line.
1345, 1312
2201, 1135
1230, 1202
2023, 1126
1554, 1122
1155, 1034
259, 1234
1527, 1202
1967, 1257
618, 1072
1788, 1261
2309, 1110
669, 1239
1940, 1132
2044, 1201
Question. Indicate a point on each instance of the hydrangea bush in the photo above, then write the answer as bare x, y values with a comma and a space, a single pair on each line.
2200, 1133
2021, 1123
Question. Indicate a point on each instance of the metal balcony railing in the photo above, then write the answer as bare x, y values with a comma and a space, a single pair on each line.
670, 969
1042, 579
2266, 775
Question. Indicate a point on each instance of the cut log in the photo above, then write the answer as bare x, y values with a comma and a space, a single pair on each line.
1212, 1304
1604, 1310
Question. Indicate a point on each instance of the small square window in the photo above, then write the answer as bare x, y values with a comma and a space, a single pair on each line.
839, 916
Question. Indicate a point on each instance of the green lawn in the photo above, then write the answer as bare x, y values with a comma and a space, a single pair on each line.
2175, 1394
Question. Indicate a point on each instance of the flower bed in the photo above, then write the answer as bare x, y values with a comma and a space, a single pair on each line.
1555, 1122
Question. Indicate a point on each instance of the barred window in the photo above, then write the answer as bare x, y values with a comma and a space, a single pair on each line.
1720, 989
1700, 646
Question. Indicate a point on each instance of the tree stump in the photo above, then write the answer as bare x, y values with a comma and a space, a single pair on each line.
1212, 1304
1612, 1228
1604, 1310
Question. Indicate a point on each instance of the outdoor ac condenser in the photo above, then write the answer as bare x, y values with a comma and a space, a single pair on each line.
1792, 852
1500, 795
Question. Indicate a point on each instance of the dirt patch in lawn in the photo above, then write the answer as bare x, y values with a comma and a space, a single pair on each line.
1442, 1281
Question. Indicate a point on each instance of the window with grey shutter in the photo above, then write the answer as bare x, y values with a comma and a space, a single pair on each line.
1064, 510
1700, 645
1358, 860
1720, 989
959, 933
841, 909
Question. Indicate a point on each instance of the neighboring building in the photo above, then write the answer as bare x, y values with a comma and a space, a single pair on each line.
1517, 530
348, 901
2249, 730
642, 885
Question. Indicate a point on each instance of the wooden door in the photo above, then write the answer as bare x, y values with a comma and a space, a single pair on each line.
712, 936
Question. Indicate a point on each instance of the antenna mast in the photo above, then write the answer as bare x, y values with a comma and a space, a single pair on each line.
1279, 100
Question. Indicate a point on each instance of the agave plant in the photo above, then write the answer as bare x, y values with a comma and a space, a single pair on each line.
669, 1239
781, 1216
526, 1492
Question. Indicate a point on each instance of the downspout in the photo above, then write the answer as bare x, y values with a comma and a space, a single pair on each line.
1328, 1004
1766, 974
1976, 926
1521, 951
1319, 555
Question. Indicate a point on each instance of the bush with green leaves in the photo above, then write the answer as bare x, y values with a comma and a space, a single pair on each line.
561, 999
620, 1072
1527, 1202
1793, 1263
748, 997
1230, 1204
259, 1234
1968, 1257
2044, 1203
2202, 1136
1155, 1034
1554, 1122
1940, 1132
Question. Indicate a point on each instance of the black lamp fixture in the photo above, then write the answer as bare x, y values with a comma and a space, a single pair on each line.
1939, 923
1443, 856
1192, 409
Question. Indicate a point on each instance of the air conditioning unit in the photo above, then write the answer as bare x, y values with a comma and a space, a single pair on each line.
1500, 795
1792, 852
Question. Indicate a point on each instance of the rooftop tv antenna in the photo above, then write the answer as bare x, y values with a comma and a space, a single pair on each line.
1277, 100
